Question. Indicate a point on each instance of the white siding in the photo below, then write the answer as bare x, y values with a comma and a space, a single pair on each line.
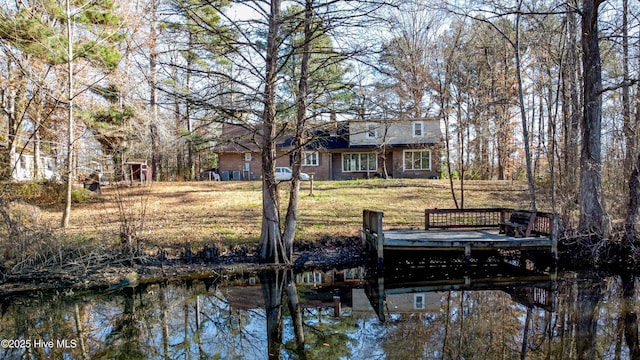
393, 132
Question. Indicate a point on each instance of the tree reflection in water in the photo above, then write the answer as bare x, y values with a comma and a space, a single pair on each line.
629, 316
277, 315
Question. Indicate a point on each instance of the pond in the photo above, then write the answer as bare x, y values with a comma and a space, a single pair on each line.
438, 313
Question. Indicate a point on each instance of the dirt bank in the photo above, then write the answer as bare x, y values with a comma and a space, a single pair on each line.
120, 272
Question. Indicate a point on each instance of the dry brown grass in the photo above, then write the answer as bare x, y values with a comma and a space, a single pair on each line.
229, 213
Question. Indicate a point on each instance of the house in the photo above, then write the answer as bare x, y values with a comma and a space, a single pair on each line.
24, 165
356, 149
20, 165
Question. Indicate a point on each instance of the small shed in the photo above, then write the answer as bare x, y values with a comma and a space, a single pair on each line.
137, 171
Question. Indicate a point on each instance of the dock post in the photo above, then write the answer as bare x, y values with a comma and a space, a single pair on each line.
427, 220
336, 306
467, 254
380, 239
373, 237
554, 238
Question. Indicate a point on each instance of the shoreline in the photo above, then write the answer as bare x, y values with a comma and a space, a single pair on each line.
152, 269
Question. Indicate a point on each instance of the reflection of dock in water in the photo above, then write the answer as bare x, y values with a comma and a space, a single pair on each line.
527, 287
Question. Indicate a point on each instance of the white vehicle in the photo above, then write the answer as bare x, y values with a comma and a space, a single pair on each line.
285, 174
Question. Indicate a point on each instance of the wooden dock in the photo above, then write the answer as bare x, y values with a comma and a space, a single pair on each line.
468, 231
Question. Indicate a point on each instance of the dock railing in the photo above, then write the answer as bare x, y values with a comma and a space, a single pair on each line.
464, 218
372, 234
546, 224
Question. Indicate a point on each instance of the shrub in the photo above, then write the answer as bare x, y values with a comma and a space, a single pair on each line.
81, 195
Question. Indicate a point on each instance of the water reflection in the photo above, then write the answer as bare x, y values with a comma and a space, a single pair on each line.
392, 290
438, 313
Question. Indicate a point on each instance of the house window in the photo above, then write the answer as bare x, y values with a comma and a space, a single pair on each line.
417, 160
51, 164
418, 301
359, 162
310, 158
372, 131
418, 129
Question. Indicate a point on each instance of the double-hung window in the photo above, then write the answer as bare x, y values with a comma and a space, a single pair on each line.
372, 131
359, 162
417, 160
419, 301
310, 158
418, 129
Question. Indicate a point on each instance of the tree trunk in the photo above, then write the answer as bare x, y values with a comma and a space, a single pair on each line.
523, 115
153, 95
630, 317
272, 283
301, 116
631, 220
572, 127
593, 218
271, 246
190, 162
179, 158
68, 178
629, 123
448, 156
12, 137
38, 172
295, 310
589, 295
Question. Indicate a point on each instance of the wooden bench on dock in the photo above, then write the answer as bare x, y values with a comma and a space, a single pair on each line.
520, 224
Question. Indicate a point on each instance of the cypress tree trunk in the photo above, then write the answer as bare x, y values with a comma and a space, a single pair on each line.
630, 227
271, 245
593, 218
301, 115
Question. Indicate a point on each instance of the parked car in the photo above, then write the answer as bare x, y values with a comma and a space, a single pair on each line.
210, 174
285, 174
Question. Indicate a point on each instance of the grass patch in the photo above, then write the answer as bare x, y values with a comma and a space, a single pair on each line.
229, 213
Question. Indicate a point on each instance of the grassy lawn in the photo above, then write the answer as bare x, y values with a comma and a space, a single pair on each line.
229, 213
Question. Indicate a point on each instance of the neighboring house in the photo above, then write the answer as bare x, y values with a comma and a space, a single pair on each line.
23, 170
342, 150
20, 166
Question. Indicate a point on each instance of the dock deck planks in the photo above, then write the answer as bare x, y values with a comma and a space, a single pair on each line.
476, 239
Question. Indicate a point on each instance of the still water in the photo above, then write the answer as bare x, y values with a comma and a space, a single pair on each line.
442, 313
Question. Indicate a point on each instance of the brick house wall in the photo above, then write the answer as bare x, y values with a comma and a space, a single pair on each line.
399, 170
323, 170
236, 163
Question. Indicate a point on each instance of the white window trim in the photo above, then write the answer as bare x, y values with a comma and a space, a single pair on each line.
360, 154
374, 127
413, 129
304, 158
404, 160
